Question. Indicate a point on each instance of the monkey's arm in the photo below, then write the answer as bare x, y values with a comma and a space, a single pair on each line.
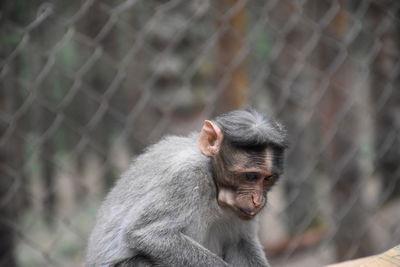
162, 228
173, 249
248, 252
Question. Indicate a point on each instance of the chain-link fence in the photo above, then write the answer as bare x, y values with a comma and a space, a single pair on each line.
86, 85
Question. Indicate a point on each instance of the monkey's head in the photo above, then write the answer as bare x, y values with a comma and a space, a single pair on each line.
246, 152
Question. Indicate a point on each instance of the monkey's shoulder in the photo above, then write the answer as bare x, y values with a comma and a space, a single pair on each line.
174, 164
173, 155
174, 148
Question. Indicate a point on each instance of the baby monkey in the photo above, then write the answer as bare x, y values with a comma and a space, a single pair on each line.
193, 201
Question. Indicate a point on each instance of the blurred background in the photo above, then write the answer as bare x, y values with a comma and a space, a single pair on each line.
86, 85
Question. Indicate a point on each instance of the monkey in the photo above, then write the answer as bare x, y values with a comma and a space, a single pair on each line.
193, 201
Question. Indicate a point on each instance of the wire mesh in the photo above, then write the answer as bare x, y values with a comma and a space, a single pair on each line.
87, 85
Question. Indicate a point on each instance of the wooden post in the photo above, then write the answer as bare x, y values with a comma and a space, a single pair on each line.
231, 66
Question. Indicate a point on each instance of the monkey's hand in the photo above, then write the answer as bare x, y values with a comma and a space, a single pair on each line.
173, 249
246, 253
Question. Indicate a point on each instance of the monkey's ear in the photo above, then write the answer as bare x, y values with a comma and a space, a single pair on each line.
210, 139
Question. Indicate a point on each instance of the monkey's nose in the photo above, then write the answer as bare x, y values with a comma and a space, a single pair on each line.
257, 201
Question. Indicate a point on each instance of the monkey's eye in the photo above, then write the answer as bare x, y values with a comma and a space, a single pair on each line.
252, 176
270, 177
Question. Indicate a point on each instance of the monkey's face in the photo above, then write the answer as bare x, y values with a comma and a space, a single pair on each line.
243, 179
243, 175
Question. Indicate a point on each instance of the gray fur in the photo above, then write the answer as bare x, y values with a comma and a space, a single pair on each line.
164, 212
248, 128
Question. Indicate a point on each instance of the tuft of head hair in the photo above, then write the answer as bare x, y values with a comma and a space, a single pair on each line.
249, 129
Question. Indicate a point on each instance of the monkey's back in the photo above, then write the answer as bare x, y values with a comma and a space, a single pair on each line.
166, 184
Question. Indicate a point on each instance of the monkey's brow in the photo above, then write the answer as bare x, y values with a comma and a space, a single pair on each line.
261, 171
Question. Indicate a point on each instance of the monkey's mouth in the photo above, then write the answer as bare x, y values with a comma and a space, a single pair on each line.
245, 214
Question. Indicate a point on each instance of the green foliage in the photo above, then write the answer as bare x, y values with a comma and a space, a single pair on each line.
67, 56
9, 40
263, 45
31, 154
